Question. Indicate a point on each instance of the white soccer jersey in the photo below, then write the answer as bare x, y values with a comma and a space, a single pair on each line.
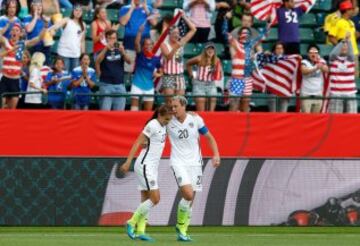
156, 134
185, 142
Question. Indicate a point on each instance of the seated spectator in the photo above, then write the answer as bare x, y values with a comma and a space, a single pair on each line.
344, 26
288, 30
12, 64
313, 72
33, 100
8, 20
111, 63
99, 26
34, 23
199, 12
342, 79
57, 82
209, 70
173, 81
132, 16
72, 39
147, 69
83, 80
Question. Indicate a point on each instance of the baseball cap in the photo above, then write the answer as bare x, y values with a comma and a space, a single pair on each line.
209, 44
345, 5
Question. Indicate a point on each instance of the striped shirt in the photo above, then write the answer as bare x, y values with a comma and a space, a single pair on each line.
11, 67
176, 64
238, 61
205, 73
342, 76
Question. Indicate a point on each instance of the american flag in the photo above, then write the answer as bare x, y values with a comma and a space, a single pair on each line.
262, 9
280, 77
20, 50
183, 28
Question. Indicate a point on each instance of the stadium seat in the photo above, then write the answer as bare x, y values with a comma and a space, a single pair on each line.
267, 46
273, 35
325, 49
258, 23
322, 6
88, 32
307, 35
171, 4
121, 32
319, 35
89, 47
213, 17
166, 12
227, 67
113, 15
66, 12
308, 20
303, 49
320, 17
88, 16
191, 50
54, 47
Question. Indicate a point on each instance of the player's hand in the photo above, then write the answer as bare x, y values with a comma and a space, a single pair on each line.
125, 167
216, 161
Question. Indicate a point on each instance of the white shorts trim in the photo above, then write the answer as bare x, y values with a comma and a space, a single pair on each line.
137, 91
188, 175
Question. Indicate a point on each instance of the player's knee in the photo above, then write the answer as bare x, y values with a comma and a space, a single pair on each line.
155, 199
189, 196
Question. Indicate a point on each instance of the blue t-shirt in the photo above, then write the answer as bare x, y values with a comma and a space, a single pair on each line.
3, 22
39, 25
82, 100
112, 68
144, 69
62, 87
138, 17
289, 21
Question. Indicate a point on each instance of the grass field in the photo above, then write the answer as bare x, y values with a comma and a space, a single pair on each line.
108, 236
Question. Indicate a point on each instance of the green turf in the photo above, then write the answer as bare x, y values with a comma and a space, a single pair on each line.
107, 236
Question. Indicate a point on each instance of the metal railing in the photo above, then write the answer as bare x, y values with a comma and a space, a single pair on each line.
257, 100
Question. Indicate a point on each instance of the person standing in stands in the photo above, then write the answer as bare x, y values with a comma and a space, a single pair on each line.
173, 81
342, 79
132, 16
344, 26
11, 69
148, 68
110, 62
289, 22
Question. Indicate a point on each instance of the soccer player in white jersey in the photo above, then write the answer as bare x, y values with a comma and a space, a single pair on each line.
184, 131
146, 166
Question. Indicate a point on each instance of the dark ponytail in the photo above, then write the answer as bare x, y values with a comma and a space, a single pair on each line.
160, 111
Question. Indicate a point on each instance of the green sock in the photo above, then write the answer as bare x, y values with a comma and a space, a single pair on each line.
141, 211
141, 226
188, 220
182, 215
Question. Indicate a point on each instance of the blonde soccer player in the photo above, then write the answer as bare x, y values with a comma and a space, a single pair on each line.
184, 131
146, 166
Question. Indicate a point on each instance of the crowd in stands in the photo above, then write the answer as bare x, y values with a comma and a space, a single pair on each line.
122, 54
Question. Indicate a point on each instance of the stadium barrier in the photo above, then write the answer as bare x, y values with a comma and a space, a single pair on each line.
53, 170
84, 191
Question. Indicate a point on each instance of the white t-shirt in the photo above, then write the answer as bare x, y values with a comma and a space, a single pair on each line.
36, 79
70, 40
185, 142
156, 134
313, 83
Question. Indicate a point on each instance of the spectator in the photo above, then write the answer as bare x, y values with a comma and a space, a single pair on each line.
247, 21
342, 79
241, 7
147, 69
111, 63
99, 26
83, 80
33, 99
24, 79
288, 31
278, 51
199, 12
330, 21
241, 57
343, 26
173, 81
57, 82
132, 16
209, 69
313, 72
34, 23
8, 20
223, 15
11, 69
72, 40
